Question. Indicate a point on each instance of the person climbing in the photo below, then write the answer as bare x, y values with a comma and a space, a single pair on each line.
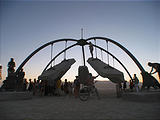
91, 48
155, 66
91, 81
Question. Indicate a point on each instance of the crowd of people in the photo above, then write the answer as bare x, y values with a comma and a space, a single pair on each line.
43, 88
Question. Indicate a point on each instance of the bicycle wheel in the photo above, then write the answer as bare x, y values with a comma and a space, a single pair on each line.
84, 94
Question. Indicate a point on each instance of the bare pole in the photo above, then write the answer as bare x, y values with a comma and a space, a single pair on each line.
83, 48
95, 48
81, 33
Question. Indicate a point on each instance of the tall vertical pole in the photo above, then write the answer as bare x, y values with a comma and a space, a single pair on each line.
95, 48
81, 33
83, 56
83, 48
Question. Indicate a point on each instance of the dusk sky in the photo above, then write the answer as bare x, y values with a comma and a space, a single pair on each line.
27, 25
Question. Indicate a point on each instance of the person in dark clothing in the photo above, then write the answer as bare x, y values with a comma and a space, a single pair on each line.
91, 48
124, 85
30, 88
66, 87
155, 66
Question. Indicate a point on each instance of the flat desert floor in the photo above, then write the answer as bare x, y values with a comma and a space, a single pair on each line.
131, 106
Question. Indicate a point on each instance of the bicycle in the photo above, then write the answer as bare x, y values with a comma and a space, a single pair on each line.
87, 91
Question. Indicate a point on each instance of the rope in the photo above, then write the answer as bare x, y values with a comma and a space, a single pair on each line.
95, 48
113, 61
102, 54
107, 51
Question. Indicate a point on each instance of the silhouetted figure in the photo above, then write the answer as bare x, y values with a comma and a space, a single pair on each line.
66, 87
155, 66
25, 84
46, 89
20, 79
124, 85
76, 87
119, 89
136, 83
11, 65
131, 85
91, 79
30, 87
58, 87
91, 48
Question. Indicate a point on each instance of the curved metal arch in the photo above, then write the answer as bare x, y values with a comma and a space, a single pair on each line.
94, 46
40, 48
124, 49
114, 58
58, 55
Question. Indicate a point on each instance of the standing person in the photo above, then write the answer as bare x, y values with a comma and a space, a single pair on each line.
20, 79
76, 87
119, 89
34, 87
25, 84
70, 88
65, 87
42, 88
58, 87
11, 65
124, 85
131, 85
46, 88
136, 83
91, 48
30, 87
155, 66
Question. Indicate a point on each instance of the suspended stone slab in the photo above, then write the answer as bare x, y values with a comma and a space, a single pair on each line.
105, 70
56, 72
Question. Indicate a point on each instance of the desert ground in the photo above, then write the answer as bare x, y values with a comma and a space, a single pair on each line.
144, 105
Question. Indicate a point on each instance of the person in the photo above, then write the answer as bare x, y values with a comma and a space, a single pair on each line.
20, 79
11, 65
35, 86
136, 83
91, 48
46, 88
42, 87
155, 66
25, 84
91, 84
124, 85
91, 79
76, 87
65, 87
58, 87
30, 87
131, 85
70, 88
119, 89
